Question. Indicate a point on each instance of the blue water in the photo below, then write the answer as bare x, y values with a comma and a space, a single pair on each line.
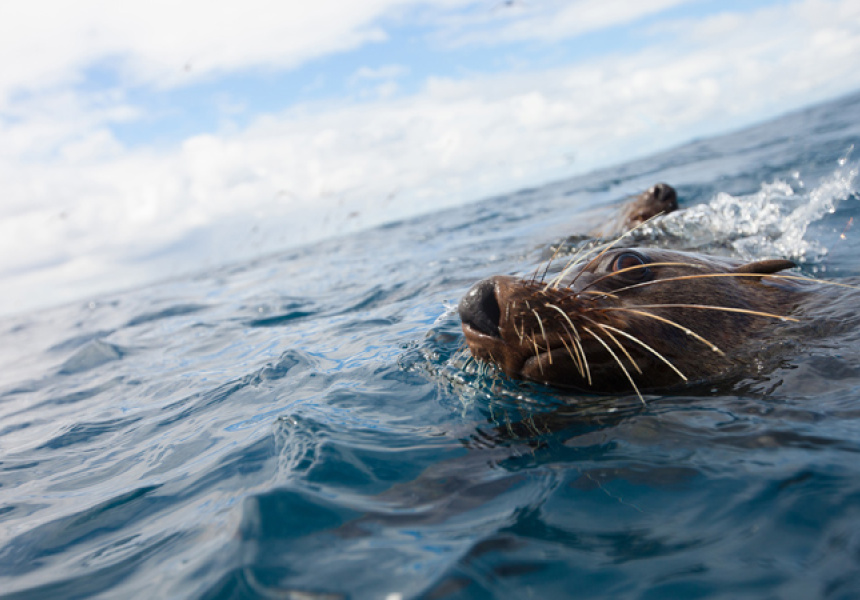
307, 425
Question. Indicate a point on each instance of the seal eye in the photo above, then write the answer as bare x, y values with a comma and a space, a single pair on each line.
627, 263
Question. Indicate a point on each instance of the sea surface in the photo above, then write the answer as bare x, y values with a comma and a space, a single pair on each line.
308, 425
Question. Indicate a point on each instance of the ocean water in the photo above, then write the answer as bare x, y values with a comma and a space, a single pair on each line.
308, 426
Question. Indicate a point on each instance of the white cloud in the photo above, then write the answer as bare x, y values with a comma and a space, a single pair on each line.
170, 42
80, 212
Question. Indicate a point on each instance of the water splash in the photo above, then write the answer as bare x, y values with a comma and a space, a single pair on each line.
770, 222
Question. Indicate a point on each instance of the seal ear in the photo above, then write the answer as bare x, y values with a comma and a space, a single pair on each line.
765, 267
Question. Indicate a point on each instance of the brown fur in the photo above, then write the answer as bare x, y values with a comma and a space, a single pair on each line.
659, 199
703, 315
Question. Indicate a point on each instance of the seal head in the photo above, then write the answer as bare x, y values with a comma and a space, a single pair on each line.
659, 199
629, 319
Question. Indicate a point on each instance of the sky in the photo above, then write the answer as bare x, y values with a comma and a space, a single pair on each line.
145, 140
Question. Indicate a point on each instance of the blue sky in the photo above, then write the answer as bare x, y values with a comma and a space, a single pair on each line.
418, 42
139, 140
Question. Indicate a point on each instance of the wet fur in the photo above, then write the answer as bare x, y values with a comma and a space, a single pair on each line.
627, 319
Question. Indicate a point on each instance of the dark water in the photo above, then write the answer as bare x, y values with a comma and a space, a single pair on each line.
306, 425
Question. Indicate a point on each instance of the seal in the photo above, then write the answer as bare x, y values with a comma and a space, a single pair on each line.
630, 319
659, 199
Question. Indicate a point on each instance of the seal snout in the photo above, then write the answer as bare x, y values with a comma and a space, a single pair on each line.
479, 308
665, 198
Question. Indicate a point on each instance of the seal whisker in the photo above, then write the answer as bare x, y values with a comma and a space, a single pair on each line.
537, 354
731, 309
574, 260
581, 363
718, 275
810, 280
636, 267
606, 248
686, 330
563, 314
601, 294
617, 360
574, 358
656, 202
574, 337
543, 332
699, 276
580, 351
546, 268
647, 347
584, 358
620, 346
492, 359
517, 331
573, 330
602, 249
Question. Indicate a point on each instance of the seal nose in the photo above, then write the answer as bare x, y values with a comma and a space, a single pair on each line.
479, 308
